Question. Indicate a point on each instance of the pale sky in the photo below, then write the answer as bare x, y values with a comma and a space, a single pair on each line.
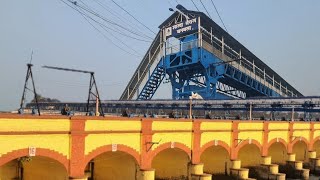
282, 33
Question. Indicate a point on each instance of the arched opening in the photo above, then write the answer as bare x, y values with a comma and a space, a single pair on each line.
316, 147
301, 151
249, 155
113, 166
216, 160
278, 153
171, 164
33, 168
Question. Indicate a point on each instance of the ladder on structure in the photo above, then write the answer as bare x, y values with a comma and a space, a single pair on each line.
153, 82
143, 69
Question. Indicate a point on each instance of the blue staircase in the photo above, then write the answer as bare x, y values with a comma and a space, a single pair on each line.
153, 82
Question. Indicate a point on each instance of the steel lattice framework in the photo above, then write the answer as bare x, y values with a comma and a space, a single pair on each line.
196, 55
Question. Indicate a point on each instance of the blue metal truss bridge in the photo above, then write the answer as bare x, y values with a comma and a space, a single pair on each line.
196, 55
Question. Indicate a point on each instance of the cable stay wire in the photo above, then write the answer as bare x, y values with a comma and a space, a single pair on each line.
104, 18
106, 37
219, 16
133, 17
195, 5
120, 17
205, 9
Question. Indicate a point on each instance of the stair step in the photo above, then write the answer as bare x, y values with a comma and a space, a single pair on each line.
278, 176
153, 82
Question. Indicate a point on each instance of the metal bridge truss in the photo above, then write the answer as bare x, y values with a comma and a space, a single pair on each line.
207, 61
231, 91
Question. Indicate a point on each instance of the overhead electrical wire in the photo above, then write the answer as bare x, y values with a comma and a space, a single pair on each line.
133, 17
219, 16
85, 17
118, 16
195, 5
117, 30
172, 6
103, 27
138, 20
205, 9
105, 19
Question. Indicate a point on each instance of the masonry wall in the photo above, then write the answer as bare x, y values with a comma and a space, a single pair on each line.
74, 142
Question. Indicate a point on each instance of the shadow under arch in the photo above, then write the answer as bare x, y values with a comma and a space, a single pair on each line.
171, 162
296, 140
167, 145
300, 148
39, 152
249, 152
278, 140
219, 143
246, 142
124, 163
215, 157
108, 148
316, 146
277, 149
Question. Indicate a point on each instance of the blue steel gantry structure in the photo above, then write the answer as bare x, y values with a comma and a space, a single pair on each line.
196, 55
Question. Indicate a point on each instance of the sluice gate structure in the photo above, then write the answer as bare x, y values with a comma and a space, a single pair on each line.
196, 55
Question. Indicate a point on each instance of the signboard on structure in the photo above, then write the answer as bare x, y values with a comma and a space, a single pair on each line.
182, 28
114, 147
32, 151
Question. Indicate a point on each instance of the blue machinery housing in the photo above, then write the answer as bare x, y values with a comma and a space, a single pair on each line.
196, 55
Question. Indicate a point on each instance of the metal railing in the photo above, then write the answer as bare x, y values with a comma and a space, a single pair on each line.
150, 57
183, 46
215, 44
226, 53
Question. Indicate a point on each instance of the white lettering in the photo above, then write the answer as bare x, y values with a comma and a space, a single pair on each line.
188, 28
191, 21
176, 26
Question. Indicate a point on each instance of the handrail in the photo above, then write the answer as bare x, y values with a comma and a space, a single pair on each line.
207, 34
137, 72
255, 69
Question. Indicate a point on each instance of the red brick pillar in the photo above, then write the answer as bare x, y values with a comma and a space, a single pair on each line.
265, 138
146, 144
196, 146
77, 147
234, 143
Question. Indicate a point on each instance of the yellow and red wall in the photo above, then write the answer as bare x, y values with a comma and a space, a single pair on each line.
74, 141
